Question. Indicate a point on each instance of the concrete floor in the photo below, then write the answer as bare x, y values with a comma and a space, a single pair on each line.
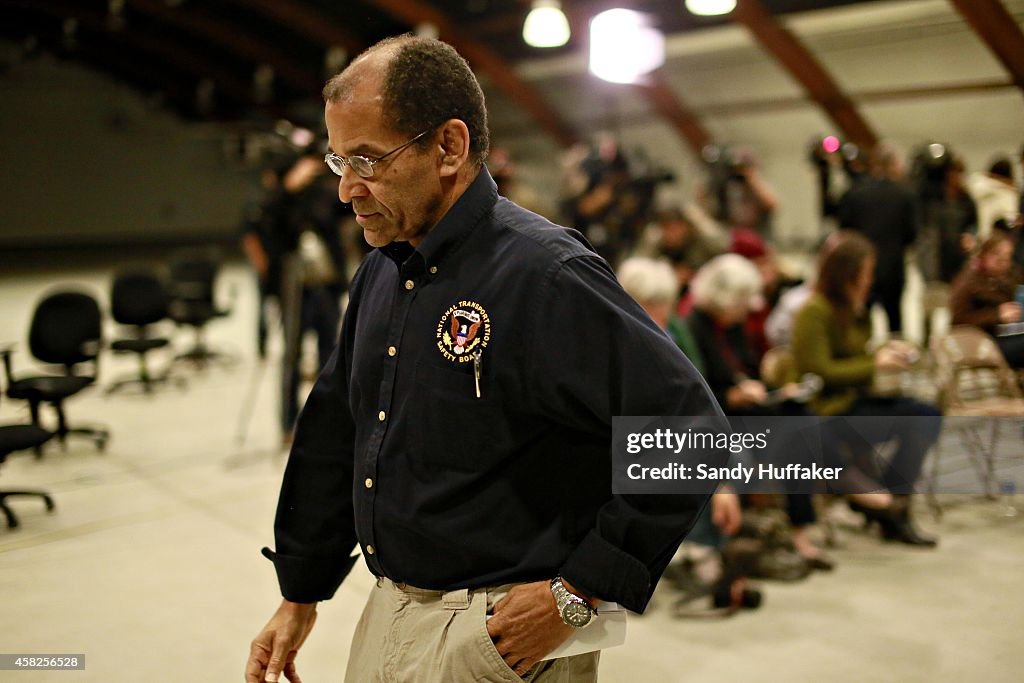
150, 565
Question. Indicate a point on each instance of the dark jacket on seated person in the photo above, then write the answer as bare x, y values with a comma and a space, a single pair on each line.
726, 353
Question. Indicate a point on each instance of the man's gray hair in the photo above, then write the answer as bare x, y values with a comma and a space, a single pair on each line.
425, 83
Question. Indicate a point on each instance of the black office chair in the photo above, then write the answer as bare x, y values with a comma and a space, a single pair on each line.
193, 302
66, 330
15, 438
139, 299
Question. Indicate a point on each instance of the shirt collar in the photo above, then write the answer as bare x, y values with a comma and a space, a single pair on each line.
453, 228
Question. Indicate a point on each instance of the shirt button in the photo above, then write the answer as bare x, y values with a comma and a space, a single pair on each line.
370, 550
433, 269
381, 415
392, 351
409, 284
369, 483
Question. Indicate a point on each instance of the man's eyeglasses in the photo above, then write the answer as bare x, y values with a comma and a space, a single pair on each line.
363, 166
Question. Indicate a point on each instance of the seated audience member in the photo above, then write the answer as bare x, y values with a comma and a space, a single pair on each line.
830, 337
984, 295
778, 327
725, 293
752, 246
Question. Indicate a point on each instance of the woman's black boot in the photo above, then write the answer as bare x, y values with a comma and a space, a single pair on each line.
899, 527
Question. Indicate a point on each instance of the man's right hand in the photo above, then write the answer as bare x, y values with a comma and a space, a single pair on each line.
273, 651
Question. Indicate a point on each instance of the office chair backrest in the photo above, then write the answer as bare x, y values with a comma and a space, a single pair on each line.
193, 276
138, 298
66, 329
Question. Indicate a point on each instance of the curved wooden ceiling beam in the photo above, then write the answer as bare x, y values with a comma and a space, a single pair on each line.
1000, 32
671, 108
157, 46
196, 22
806, 69
500, 72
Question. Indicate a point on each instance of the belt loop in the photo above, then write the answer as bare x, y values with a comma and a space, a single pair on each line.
456, 600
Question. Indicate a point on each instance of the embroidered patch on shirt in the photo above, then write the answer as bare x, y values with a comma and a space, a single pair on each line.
464, 329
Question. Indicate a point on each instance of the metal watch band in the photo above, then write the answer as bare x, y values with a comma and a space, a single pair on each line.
563, 597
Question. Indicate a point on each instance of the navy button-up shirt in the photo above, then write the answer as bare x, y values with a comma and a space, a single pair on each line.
461, 432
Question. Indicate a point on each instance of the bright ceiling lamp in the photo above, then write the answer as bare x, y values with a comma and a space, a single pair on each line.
710, 8
546, 25
624, 46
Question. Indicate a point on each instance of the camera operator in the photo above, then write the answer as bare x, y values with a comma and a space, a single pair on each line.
950, 219
294, 243
739, 195
948, 224
885, 210
610, 202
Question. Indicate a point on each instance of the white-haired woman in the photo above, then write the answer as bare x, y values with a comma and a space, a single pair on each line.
726, 290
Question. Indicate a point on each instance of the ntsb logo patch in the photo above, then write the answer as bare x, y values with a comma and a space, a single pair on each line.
464, 330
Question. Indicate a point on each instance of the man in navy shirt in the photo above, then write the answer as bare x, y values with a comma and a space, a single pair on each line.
460, 434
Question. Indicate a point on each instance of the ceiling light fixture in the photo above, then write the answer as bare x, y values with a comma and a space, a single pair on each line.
710, 8
546, 25
624, 46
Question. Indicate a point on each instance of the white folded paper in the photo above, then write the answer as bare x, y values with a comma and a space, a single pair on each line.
607, 629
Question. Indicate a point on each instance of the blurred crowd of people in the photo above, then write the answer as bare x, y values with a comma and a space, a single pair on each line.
708, 274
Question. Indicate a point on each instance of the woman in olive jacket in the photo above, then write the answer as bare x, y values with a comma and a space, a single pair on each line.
830, 338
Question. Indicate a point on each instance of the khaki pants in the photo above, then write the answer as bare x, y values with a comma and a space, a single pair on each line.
411, 635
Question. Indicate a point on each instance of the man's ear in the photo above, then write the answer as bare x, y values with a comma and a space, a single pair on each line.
454, 146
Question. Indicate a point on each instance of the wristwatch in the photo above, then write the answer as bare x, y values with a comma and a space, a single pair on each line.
574, 610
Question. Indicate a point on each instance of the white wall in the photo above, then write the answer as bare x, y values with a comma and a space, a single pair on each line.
84, 160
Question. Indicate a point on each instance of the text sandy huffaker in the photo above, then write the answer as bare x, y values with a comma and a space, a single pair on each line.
735, 473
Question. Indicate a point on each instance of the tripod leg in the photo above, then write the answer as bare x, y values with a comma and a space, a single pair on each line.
291, 322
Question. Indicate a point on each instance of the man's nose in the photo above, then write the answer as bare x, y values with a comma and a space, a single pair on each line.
350, 185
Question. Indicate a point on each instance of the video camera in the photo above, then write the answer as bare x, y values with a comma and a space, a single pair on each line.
634, 170
929, 167
724, 163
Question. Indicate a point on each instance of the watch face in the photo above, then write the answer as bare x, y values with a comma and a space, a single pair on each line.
576, 614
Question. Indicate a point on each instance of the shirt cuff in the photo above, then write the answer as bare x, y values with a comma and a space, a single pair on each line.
307, 580
599, 568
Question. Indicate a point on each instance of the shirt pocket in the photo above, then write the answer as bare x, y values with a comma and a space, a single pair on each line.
455, 428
